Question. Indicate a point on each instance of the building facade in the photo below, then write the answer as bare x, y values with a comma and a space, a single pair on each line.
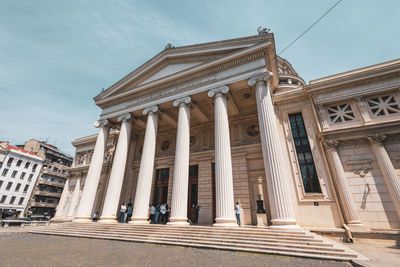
224, 122
48, 188
19, 170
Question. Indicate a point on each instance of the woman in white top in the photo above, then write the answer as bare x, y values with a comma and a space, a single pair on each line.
122, 213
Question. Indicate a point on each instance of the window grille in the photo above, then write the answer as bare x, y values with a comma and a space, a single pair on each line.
340, 113
384, 105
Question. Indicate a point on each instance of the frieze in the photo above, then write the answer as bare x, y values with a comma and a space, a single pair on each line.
355, 88
376, 139
392, 139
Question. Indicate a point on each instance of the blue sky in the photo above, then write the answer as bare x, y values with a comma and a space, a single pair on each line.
55, 56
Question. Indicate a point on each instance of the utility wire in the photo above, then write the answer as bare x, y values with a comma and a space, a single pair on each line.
312, 25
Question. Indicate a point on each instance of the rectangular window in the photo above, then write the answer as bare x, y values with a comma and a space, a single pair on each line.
22, 175
14, 174
30, 177
1, 183
12, 200
26, 188
9, 162
304, 155
3, 199
21, 200
5, 171
17, 187
19, 162
9, 185
27, 165
34, 167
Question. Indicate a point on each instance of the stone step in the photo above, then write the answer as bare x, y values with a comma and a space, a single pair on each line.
211, 231
314, 253
276, 243
187, 234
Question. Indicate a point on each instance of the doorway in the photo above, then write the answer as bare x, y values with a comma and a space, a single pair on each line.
193, 192
161, 186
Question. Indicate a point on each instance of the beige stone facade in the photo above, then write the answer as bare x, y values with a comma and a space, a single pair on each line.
318, 155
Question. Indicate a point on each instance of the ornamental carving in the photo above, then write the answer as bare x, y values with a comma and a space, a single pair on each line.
384, 105
340, 113
253, 130
376, 139
360, 167
330, 144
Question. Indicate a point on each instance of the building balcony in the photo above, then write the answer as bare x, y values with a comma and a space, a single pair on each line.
47, 194
58, 174
51, 183
43, 205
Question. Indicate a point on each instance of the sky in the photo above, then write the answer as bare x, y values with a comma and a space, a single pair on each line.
55, 56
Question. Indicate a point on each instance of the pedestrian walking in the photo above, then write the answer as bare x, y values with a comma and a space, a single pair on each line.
237, 209
122, 213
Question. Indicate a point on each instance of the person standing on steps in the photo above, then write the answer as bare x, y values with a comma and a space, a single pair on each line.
196, 213
122, 213
152, 213
163, 210
129, 211
237, 210
157, 216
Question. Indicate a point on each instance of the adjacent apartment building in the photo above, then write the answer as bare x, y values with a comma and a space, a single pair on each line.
48, 188
19, 170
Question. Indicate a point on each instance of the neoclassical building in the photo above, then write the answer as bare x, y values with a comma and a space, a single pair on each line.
229, 121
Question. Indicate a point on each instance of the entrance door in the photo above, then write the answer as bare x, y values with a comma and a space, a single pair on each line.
193, 192
161, 186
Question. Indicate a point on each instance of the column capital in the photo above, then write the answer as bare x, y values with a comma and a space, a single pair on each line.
100, 123
152, 109
330, 144
185, 100
218, 91
125, 116
376, 139
259, 77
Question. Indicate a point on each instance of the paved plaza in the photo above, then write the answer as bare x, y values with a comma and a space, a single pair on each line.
23, 249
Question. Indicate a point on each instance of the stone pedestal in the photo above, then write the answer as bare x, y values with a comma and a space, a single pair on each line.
145, 177
92, 179
225, 209
181, 166
261, 220
280, 198
110, 208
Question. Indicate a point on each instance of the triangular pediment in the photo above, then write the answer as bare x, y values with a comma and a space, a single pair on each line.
173, 62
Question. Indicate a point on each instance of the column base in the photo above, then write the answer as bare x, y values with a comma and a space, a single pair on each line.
82, 220
284, 224
356, 225
139, 221
178, 222
225, 222
108, 220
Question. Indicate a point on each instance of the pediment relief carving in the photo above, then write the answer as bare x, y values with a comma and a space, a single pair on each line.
360, 167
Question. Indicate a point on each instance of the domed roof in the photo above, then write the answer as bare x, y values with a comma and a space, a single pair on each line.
287, 74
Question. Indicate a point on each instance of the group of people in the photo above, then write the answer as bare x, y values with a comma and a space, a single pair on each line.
159, 213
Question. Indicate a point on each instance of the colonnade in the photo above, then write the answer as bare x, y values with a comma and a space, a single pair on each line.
282, 211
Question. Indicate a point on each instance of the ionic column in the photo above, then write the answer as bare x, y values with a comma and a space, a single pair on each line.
145, 177
92, 179
390, 176
74, 199
181, 165
278, 183
110, 208
61, 204
225, 206
351, 215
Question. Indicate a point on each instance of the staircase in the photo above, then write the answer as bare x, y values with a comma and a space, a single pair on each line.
299, 242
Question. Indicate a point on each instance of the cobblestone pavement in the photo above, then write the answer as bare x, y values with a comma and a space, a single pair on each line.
23, 249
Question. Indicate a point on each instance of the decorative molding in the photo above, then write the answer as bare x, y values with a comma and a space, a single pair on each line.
149, 110
218, 91
125, 116
330, 144
353, 143
260, 77
392, 139
185, 100
360, 167
100, 123
376, 139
